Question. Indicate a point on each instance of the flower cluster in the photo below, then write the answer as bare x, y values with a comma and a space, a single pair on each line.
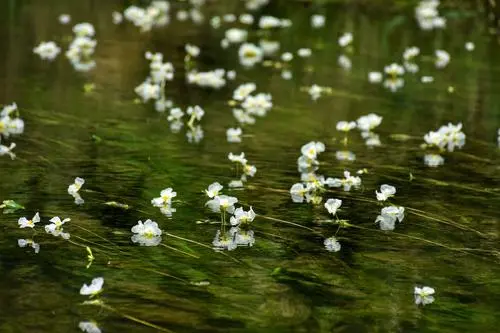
155, 15
147, 233
427, 15
240, 220
164, 201
82, 47
390, 214
366, 124
153, 88
74, 188
47, 50
448, 136
214, 79
247, 107
10, 124
248, 170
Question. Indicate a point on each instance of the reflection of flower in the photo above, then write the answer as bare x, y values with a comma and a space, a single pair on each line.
224, 242
424, 295
89, 327
147, 233
242, 237
26, 242
332, 244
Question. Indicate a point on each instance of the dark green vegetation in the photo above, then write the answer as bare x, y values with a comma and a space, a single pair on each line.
286, 282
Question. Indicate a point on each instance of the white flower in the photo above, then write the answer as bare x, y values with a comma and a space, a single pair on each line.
234, 134
148, 91
165, 198
427, 15
249, 170
235, 184
312, 149
345, 126
411, 53
243, 91
94, 288
242, 217
7, 150
286, 74
388, 217
375, 77
236, 36
427, 79
75, 187
222, 203
196, 112
297, 192
246, 19
117, 17
369, 122
433, 160
469, 46
257, 105
332, 244
269, 47
345, 39
348, 181
213, 190
386, 191
237, 158
194, 134
442, 58
394, 84
269, 22
89, 327
344, 62
84, 30
332, 205
25, 223
317, 21
147, 233
250, 54
243, 117
287, 56
345, 155
423, 295
192, 50
58, 222
304, 52
64, 18
47, 50
394, 70
176, 114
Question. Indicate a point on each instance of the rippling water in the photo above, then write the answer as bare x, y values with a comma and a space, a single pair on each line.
287, 281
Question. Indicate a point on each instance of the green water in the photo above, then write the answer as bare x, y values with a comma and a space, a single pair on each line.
286, 282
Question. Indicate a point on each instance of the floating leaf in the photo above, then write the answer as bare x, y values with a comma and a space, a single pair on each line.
117, 204
10, 206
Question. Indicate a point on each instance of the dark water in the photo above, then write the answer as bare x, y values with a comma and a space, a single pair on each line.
286, 282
